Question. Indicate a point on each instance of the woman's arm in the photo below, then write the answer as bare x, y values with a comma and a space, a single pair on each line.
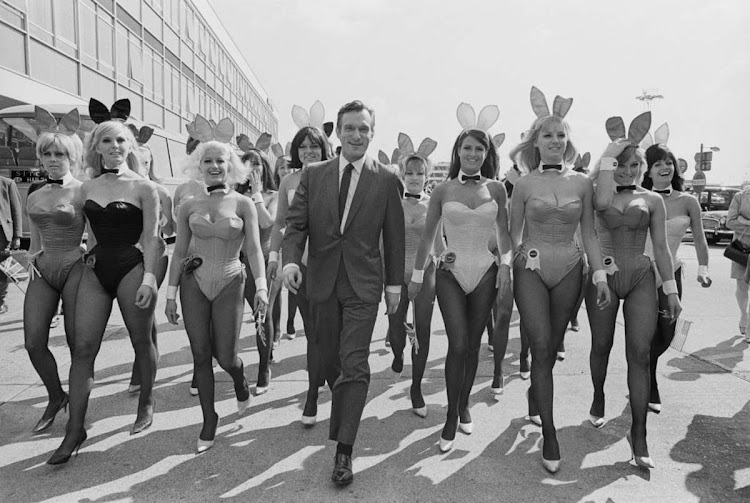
518, 212
604, 174
733, 216
35, 243
434, 213
153, 247
588, 234
253, 252
662, 255
166, 219
182, 242
699, 240
502, 235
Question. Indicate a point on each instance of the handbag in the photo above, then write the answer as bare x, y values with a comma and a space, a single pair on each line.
737, 252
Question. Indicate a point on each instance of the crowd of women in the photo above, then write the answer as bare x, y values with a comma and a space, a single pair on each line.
547, 235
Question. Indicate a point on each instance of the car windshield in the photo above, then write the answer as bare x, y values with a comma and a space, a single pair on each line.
716, 199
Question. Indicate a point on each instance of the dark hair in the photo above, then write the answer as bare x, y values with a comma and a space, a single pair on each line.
354, 106
490, 165
317, 137
266, 177
660, 152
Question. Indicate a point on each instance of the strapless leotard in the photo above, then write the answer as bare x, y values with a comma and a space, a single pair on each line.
117, 228
218, 245
550, 248
467, 233
622, 235
676, 229
61, 230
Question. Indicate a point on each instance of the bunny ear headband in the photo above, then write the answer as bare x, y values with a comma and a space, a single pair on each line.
661, 135
383, 157
263, 142
141, 135
315, 118
560, 106
406, 147
280, 151
45, 122
487, 117
100, 113
203, 130
636, 133
582, 163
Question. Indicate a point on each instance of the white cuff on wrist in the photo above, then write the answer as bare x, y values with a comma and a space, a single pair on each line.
260, 284
669, 287
172, 292
599, 276
417, 276
256, 198
703, 271
273, 256
149, 279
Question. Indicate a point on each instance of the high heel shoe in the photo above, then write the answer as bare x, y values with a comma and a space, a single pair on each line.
537, 420
525, 364
262, 387
445, 444
551, 465
134, 388
59, 458
204, 445
142, 424
243, 398
420, 411
45, 423
642, 461
561, 356
596, 422
654, 407
498, 387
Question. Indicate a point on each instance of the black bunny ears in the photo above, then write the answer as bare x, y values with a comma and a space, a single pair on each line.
100, 113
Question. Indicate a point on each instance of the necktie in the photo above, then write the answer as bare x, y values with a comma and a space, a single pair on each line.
665, 191
622, 188
215, 187
105, 170
545, 167
58, 182
415, 196
344, 189
465, 178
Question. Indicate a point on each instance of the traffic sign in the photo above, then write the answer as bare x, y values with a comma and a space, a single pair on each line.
699, 181
682, 166
706, 164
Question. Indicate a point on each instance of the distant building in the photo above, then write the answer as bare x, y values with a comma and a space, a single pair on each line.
439, 172
172, 58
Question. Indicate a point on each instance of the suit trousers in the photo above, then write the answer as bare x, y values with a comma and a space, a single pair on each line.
3, 278
343, 325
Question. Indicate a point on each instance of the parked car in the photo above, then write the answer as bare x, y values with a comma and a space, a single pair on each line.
714, 201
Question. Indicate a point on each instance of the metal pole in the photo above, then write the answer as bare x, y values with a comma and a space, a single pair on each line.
701, 161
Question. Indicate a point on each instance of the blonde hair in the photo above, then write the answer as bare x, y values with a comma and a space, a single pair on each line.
71, 145
236, 173
93, 159
412, 157
526, 155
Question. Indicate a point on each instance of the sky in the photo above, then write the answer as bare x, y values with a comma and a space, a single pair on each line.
414, 61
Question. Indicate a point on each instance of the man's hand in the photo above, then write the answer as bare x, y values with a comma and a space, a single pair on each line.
15, 243
293, 279
391, 302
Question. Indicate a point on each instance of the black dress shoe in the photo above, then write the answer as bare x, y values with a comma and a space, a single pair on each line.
342, 470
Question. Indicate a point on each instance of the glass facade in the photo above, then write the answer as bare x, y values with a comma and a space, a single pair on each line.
161, 54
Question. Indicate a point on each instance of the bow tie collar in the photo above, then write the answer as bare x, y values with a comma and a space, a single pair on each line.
407, 195
666, 192
463, 177
113, 171
220, 187
624, 188
555, 168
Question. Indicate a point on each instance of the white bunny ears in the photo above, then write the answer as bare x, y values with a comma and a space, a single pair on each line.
203, 130
636, 132
406, 146
315, 118
661, 135
487, 118
262, 143
560, 106
383, 157
280, 151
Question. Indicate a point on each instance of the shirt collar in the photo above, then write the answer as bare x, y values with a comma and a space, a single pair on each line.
358, 164
66, 180
563, 170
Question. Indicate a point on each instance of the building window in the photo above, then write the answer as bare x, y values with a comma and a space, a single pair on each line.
132, 6
152, 21
13, 54
65, 25
53, 68
93, 85
104, 36
153, 113
160, 160
40, 18
135, 68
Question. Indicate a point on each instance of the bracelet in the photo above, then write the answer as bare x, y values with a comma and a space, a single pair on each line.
172, 292
599, 276
703, 271
260, 284
417, 276
608, 164
273, 256
149, 279
669, 287
257, 198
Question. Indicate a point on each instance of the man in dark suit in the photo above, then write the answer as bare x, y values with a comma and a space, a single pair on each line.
342, 206
10, 214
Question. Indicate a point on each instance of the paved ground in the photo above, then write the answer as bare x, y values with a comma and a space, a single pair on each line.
700, 442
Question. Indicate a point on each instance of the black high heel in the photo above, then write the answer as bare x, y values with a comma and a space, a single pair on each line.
59, 458
45, 423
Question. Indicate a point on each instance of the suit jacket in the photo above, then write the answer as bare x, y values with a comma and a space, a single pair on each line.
375, 209
10, 209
